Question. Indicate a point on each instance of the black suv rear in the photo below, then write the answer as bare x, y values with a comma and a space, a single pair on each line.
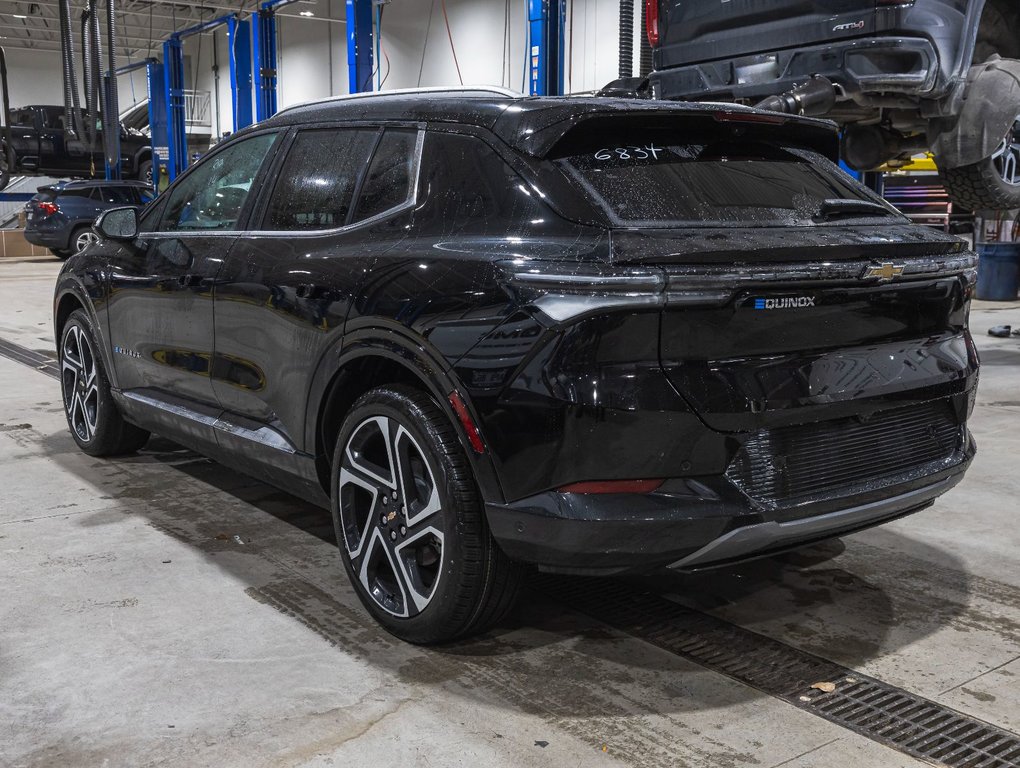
592, 335
908, 76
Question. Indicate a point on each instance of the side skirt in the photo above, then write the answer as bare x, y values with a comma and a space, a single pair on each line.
250, 447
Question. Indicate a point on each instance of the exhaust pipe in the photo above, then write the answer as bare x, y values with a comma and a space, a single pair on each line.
815, 97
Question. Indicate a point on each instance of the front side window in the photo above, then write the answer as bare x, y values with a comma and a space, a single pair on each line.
23, 118
212, 196
318, 180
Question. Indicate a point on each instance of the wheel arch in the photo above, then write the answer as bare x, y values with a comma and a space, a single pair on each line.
68, 297
371, 358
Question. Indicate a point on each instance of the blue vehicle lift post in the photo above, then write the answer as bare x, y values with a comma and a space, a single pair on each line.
173, 66
264, 60
360, 34
158, 140
547, 25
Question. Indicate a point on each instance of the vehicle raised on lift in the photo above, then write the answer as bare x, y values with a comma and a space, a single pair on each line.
590, 335
899, 76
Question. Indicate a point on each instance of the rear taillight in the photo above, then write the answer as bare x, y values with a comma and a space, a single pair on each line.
652, 22
48, 209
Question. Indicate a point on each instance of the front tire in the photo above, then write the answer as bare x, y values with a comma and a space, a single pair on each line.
410, 523
60, 253
92, 417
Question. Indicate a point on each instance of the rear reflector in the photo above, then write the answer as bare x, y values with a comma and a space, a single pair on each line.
470, 429
652, 22
612, 486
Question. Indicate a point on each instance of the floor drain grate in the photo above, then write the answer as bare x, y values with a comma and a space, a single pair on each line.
884, 713
31, 358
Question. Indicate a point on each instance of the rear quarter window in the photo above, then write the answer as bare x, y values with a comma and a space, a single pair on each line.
472, 190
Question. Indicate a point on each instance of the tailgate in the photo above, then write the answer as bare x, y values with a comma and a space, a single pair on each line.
704, 30
811, 331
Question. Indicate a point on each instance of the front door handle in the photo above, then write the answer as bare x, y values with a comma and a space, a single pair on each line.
189, 281
310, 291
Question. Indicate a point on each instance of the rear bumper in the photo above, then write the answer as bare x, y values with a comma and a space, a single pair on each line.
47, 239
900, 65
694, 523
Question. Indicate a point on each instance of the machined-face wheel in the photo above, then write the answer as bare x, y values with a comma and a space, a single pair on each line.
410, 523
80, 380
1006, 157
391, 518
84, 239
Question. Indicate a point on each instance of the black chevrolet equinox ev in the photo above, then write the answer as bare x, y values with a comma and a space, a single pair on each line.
593, 335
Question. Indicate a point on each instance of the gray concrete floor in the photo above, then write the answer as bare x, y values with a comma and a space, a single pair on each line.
163, 610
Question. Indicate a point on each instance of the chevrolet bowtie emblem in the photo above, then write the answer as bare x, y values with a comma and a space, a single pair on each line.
885, 271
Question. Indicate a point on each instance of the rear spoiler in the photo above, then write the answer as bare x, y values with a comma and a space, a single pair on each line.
538, 132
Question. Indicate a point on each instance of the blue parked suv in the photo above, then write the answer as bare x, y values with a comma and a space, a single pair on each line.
60, 216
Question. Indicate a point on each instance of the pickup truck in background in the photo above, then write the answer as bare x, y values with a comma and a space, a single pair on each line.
39, 144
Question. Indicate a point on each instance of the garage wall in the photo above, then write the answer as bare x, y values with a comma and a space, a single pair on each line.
313, 52
477, 28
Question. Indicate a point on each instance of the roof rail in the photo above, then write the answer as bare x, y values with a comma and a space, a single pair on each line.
463, 90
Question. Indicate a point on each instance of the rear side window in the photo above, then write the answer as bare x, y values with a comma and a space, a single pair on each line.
80, 192
319, 178
649, 179
116, 195
388, 183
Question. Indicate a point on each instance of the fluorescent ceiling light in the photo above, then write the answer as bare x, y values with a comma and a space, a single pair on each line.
19, 15
307, 13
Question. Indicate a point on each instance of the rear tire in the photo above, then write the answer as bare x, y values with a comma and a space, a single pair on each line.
82, 238
410, 524
991, 184
92, 417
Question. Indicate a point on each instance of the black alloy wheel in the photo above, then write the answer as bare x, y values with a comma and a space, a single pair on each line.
92, 417
410, 525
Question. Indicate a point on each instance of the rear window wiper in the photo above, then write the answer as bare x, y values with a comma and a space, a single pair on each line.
830, 209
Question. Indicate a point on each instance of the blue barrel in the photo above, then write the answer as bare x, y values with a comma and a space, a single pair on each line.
998, 271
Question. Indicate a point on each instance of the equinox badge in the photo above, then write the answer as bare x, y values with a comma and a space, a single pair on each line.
787, 302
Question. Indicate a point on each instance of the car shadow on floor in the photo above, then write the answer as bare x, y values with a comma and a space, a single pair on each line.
549, 658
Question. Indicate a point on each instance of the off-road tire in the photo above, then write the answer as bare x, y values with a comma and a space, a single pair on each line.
145, 172
477, 583
978, 187
85, 389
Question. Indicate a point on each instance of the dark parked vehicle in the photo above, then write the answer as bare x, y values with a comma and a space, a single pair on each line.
60, 216
39, 144
592, 335
909, 76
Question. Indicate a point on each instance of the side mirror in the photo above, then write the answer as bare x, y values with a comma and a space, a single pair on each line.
118, 224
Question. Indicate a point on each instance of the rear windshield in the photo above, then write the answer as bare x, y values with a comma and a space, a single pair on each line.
652, 180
